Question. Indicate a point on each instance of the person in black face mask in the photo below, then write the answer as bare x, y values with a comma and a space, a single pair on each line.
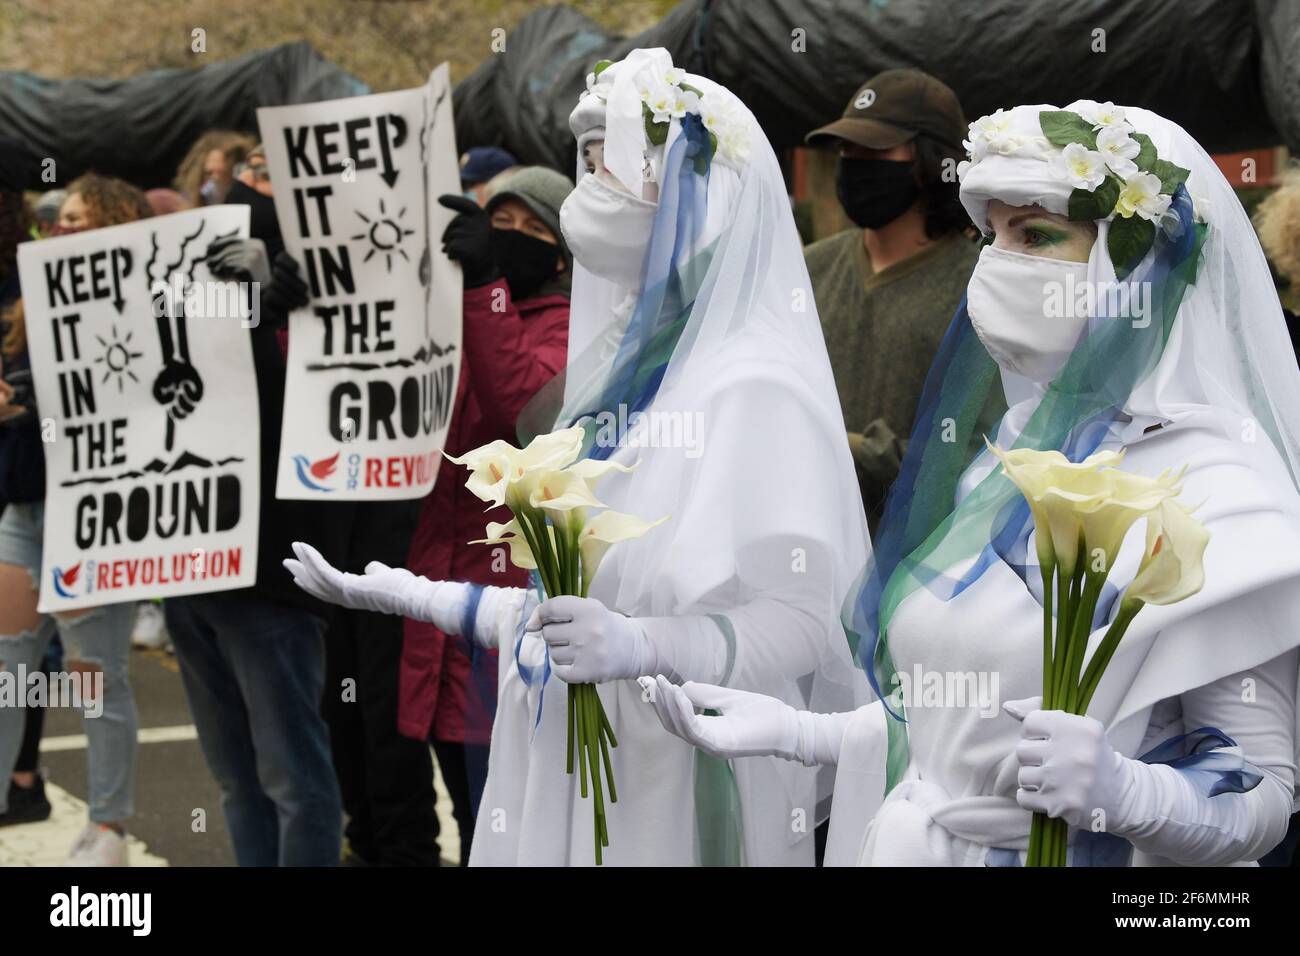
887, 288
515, 236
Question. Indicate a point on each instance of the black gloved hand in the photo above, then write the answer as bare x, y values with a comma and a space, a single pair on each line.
468, 240
286, 292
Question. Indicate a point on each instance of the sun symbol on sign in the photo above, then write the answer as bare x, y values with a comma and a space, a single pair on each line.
385, 234
117, 358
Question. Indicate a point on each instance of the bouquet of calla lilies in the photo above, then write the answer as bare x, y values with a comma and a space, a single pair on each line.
1082, 512
554, 532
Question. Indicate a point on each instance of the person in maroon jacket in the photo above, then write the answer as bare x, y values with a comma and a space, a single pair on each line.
516, 324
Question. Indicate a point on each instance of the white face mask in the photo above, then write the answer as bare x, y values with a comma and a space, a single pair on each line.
1021, 308
607, 230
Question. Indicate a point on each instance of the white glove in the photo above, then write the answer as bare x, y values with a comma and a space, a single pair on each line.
383, 589
589, 643
398, 591
749, 725
1068, 768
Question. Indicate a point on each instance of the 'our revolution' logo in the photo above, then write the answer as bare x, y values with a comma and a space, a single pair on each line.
311, 472
65, 581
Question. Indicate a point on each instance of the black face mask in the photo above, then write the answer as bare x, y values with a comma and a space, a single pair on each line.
526, 261
875, 192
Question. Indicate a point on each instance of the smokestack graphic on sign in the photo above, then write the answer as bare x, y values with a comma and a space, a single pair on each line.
178, 387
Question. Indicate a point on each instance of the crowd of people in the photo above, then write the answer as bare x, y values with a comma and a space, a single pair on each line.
738, 699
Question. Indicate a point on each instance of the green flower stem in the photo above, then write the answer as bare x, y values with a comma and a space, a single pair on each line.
1048, 571
1097, 666
1079, 640
573, 716
604, 753
608, 728
593, 759
1064, 628
582, 739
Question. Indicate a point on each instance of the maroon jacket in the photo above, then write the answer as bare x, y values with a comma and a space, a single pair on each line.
508, 356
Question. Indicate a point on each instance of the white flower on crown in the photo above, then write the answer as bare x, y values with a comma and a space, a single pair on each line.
1118, 149
1103, 115
1141, 195
993, 126
1084, 168
725, 118
598, 86
667, 101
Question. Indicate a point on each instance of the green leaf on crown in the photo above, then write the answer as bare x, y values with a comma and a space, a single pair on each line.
1062, 127
1146, 156
1128, 242
656, 133
1098, 203
601, 66
1171, 176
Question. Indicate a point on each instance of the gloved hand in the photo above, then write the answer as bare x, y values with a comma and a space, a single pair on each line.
286, 292
750, 725
468, 240
397, 591
1068, 768
231, 258
383, 589
589, 643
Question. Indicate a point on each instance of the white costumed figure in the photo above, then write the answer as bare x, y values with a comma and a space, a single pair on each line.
698, 370
1128, 307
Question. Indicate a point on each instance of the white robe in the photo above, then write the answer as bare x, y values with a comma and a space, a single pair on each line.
957, 798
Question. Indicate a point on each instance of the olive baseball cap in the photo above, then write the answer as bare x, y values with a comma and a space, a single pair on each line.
892, 108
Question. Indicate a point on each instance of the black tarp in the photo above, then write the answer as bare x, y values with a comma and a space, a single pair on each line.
140, 128
1225, 69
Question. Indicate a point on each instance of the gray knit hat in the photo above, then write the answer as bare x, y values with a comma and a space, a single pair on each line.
543, 191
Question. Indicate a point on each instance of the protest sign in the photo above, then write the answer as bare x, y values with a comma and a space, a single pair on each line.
374, 357
147, 399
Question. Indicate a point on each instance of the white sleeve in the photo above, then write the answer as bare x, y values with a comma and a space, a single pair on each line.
820, 736
780, 632
1165, 815
444, 605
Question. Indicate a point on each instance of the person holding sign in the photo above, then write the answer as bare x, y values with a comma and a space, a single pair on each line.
259, 652
97, 639
517, 270
698, 371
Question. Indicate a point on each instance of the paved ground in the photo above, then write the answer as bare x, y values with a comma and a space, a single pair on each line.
173, 783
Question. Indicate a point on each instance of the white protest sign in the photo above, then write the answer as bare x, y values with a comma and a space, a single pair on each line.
143, 371
374, 357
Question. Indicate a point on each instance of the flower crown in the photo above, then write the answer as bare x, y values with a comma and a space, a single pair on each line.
666, 98
1115, 171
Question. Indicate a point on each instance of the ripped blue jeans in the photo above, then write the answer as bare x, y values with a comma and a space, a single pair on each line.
100, 637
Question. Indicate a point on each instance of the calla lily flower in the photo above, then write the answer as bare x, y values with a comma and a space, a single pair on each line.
1130, 497
521, 555
501, 473
564, 496
1173, 567
602, 531
1057, 491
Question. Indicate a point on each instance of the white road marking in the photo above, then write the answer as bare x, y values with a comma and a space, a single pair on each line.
147, 735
